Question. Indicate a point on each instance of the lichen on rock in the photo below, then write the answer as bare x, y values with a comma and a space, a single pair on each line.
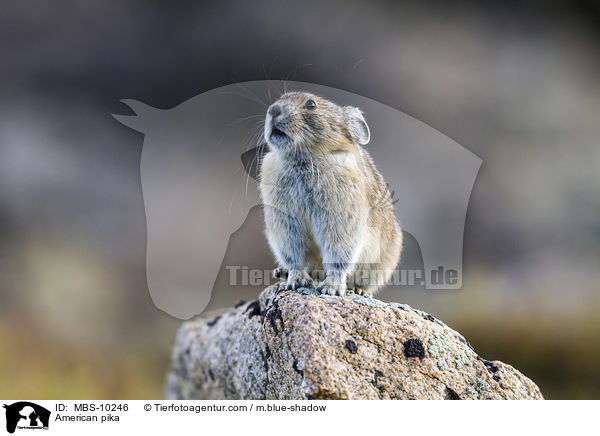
300, 345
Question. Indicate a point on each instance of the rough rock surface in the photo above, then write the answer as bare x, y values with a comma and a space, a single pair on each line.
301, 345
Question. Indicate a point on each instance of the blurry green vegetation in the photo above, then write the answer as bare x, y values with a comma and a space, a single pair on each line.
38, 365
560, 356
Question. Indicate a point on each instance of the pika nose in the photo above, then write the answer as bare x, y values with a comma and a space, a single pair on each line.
275, 111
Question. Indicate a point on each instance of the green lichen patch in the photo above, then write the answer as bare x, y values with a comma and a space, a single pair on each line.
368, 301
482, 385
400, 306
442, 365
438, 344
308, 291
327, 296
471, 392
462, 360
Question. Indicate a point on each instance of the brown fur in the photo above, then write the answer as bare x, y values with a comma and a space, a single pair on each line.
326, 204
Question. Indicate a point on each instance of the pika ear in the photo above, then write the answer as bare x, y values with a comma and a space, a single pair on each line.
357, 126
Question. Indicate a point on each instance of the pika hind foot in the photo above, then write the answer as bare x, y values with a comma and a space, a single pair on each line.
297, 280
280, 273
359, 291
331, 288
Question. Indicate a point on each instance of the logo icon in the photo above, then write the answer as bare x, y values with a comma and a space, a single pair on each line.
26, 415
198, 165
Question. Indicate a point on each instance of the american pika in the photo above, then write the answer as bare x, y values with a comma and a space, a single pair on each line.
327, 207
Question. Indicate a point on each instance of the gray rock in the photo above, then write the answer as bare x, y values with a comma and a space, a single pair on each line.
302, 345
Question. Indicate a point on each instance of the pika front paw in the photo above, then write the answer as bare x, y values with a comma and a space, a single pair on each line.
299, 280
331, 289
280, 273
359, 291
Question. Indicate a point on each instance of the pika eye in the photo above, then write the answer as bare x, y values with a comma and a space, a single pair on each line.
310, 104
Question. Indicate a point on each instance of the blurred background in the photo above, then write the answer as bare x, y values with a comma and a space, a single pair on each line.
516, 83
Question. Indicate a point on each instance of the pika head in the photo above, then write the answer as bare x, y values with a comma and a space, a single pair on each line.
300, 121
